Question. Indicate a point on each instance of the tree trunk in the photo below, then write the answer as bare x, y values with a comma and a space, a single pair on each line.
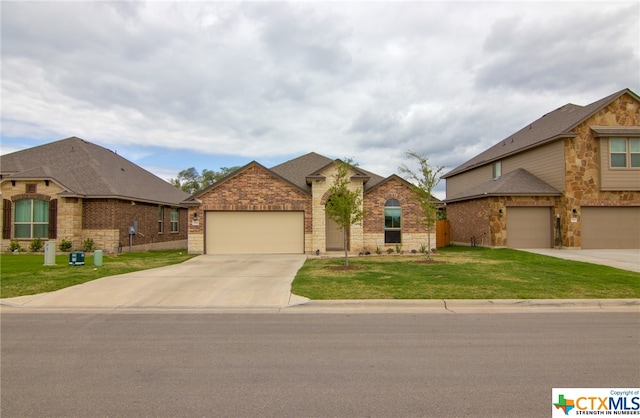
429, 243
346, 252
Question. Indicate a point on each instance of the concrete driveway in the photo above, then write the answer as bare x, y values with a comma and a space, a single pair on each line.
621, 259
206, 281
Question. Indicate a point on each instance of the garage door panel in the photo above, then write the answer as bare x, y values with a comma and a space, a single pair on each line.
255, 233
529, 227
610, 227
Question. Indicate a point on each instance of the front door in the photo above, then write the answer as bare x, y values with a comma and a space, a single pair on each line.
334, 235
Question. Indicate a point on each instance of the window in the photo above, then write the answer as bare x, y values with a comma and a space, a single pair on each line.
31, 219
624, 152
496, 170
160, 219
634, 152
175, 219
392, 222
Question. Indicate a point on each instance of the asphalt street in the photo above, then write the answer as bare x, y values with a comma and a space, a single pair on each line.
311, 365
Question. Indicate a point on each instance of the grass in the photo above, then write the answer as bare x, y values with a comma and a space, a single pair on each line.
26, 274
464, 273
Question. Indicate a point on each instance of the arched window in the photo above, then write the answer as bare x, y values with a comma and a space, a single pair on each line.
392, 222
31, 219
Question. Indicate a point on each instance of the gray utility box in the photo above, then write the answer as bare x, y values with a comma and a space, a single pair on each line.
76, 258
50, 253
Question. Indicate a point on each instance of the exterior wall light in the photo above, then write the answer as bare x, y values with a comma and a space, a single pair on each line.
500, 213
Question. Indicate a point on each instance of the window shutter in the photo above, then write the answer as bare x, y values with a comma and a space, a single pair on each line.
53, 219
6, 221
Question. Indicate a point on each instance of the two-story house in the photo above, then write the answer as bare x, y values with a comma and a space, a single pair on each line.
569, 179
282, 210
75, 190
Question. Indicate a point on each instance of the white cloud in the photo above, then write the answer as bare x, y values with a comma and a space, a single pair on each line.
263, 80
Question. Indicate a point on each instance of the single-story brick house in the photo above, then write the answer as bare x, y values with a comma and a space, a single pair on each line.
569, 179
282, 210
73, 189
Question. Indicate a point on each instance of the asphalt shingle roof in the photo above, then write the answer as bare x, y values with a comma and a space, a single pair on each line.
518, 182
88, 170
551, 126
298, 169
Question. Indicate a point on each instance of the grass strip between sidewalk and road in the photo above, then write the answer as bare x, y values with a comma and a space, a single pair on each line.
26, 274
463, 273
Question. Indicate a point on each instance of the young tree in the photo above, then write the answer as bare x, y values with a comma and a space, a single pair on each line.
344, 205
423, 183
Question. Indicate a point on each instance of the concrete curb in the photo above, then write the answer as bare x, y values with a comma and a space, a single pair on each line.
300, 305
467, 306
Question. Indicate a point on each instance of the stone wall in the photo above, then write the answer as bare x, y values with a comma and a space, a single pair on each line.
69, 211
320, 192
582, 168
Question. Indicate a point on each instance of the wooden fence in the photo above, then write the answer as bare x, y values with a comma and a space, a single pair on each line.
443, 236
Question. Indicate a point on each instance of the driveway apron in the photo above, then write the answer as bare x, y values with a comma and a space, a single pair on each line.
206, 281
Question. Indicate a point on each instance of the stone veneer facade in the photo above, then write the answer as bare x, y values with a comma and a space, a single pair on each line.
256, 189
480, 217
105, 221
582, 184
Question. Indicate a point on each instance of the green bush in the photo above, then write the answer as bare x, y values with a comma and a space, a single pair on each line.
88, 245
65, 245
36, 245
14, 247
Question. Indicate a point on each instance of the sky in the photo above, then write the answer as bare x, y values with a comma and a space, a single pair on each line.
173, 85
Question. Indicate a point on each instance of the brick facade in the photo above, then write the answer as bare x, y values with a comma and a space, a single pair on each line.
414, 234
253, 189
105, 221
256, 189
109, 221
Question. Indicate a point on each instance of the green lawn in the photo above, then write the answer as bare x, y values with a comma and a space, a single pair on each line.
463, 273
26, 274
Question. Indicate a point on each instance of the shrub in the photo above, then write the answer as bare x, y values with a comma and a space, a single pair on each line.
378, 250
14, 246
88, 245
36, 245
65, 245
399, 249
389, 250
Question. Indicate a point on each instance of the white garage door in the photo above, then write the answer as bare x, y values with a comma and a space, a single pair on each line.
254, 232
610, 227
529, 227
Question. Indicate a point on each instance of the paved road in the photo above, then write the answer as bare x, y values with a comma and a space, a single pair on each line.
249, 365
207, 281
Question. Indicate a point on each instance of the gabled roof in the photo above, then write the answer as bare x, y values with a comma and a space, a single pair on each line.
554, 125
298, 172
87, 170
518, 182
310, 166
194, 199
